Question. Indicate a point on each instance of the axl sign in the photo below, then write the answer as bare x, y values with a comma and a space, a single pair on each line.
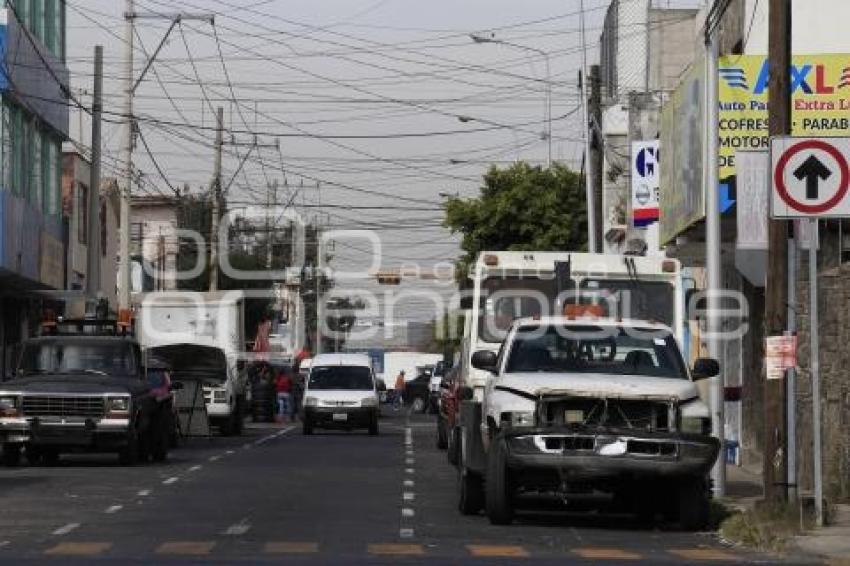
811, 177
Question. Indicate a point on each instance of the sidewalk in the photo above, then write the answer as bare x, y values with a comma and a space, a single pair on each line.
830, 543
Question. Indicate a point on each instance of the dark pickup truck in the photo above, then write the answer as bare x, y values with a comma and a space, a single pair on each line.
82, 393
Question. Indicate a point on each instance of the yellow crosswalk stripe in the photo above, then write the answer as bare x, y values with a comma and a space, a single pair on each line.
186, 548
496, 551
396, 549
291, 547
79, 549
606, 554
703, 554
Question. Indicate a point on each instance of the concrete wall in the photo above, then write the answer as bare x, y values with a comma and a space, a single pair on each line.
834, 383
159, 245
672, 40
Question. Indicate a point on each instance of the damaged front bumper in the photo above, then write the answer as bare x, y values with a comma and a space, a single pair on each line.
590, 454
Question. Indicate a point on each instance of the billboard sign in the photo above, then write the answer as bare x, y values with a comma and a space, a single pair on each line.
645, 176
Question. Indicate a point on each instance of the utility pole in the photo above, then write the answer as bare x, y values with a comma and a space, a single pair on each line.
714, 281
595, 160
93, 265
124, 240
131, 84
319, 300
271, 199
216, 198
776, 288
592, 244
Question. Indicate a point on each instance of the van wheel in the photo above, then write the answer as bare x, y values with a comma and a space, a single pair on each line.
499, 496
11, 455
442, 435
693, 504
470, 491
418, 405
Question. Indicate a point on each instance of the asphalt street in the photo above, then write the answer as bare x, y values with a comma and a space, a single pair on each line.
335, 497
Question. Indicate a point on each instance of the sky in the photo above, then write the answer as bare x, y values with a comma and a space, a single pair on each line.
366, 113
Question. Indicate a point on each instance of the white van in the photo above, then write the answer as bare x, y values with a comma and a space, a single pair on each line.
340, 393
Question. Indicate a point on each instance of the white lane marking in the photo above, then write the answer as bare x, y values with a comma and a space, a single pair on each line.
64, 530
170, 480
408, 470
230, 452
408, 496
195, 468
238, 529
405, 533
5, 543
246, 445
113, 509
144, 493
407, 512
214, 458
408, 483
409, 461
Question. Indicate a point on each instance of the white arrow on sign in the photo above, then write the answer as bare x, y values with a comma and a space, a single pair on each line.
811, 177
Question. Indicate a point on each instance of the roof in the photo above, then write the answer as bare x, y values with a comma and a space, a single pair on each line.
594, 321
341, 360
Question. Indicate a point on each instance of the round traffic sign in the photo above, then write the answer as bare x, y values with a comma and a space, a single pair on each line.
782, 188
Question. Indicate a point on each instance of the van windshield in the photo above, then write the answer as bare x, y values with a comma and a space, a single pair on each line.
352, 378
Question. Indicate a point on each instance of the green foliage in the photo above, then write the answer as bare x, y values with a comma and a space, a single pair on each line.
520, 208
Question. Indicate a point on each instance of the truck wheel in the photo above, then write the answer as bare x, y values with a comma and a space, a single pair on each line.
35, 456
693, 504
499, 488
129, 454
453, 446
11, 455
442, 436
418, 405
470, 491
50, 457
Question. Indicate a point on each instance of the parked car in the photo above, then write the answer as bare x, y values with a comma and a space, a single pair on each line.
417, 392
341, 393
83, 392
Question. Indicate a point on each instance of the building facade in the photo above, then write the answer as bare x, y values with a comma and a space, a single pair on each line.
154, 244
33, 125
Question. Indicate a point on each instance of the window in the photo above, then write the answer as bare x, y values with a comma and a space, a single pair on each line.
82, 213
137, 232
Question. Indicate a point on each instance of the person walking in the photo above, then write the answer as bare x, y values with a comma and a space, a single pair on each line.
398, 399
283, 386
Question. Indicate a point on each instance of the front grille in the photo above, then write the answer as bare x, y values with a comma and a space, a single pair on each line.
651, 448
636, 414
50, 406
566, 443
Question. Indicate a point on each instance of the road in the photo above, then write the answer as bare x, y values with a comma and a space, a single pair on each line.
330, 498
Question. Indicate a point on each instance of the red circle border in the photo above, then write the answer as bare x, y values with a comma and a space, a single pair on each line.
779, 182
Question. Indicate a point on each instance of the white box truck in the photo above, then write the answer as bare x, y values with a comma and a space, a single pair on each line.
214, 320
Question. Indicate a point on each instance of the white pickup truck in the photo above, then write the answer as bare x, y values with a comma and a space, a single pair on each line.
173, 319
588, 409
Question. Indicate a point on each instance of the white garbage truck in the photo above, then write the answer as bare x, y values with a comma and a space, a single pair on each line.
170, 320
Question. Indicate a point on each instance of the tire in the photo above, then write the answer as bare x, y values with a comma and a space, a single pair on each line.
35, 456
453, 449
693, 504
442, 435
470, 491
50, 458
129, 455
419, 405
499, 488
11, 455
307, 426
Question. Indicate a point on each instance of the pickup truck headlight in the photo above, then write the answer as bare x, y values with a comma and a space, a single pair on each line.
696, 425
311, 402
118, 405
518, 418
8, 406
369, 402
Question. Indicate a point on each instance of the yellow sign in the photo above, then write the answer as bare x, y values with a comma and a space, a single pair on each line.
820, 102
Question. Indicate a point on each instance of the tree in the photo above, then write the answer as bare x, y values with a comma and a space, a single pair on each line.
520, 208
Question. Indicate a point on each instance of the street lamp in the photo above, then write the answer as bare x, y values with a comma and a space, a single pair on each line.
478, 38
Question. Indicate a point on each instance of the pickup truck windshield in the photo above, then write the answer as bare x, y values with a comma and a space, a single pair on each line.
353, 378
78, 357
594, 349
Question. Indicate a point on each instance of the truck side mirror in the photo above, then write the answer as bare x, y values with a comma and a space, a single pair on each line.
484, 360
705, 368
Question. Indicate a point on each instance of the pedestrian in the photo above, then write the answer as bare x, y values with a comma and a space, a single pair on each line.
283, 386
399, 391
